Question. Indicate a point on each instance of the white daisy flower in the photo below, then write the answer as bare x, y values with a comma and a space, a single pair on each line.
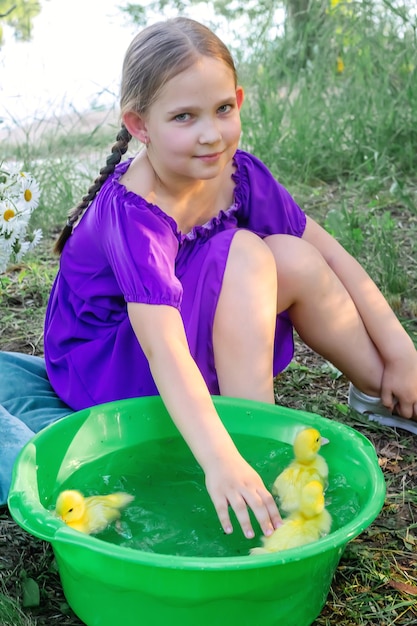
29, 194
20, 249
8, 214
14, 221
19, 196
36, 237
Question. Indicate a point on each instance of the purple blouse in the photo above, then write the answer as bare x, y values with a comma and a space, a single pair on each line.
127, 250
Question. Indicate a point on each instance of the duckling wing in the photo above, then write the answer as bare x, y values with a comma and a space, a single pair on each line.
313, 528
322, 470
103, 510
324, 523
117, 500
99, 516
289, 484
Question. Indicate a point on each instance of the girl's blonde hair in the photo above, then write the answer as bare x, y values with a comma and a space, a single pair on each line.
157, 54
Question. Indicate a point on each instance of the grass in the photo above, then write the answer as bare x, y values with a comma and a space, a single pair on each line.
11, 614
317, 123
345, 145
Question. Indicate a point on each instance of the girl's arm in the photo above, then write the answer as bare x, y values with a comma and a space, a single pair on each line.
230, 480
391, 340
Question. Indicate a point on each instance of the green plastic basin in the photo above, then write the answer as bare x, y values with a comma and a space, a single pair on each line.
107, 584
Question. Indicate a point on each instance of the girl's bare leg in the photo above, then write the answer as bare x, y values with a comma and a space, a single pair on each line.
323, 312
244, 324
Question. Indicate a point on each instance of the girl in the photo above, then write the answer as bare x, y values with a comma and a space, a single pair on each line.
185, 269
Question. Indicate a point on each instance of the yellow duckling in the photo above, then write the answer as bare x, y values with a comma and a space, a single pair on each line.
306, 525
307, 465
92, 514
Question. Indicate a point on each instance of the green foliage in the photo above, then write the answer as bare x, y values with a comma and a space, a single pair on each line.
63, 185
372, 238
11, 613
30, 591
19, 15
348, 110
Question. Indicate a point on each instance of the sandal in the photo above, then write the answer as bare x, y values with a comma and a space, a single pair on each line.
376, 412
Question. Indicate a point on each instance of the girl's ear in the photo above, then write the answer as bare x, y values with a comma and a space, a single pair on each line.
136, 126
240, 96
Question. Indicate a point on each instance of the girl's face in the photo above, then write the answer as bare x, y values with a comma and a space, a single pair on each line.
192, 130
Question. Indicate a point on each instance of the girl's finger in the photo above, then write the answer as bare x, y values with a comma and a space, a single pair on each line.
387, 399
240, 508
405, 409
273, 511
222, 510
266, 512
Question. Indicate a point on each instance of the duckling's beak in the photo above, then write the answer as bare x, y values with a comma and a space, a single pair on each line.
323, 441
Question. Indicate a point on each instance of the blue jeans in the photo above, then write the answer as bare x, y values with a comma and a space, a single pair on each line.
27, 404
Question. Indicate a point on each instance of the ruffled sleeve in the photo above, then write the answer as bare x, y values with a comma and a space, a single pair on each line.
140, 244
264, 205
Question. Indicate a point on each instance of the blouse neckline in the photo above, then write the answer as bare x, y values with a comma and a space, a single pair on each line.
199, 229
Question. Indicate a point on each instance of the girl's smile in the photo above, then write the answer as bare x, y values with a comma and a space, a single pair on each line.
210, 157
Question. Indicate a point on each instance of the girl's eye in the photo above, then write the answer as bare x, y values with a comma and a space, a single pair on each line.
182, 117
225, 108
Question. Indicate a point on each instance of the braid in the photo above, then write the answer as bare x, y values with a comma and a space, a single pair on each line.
117, 151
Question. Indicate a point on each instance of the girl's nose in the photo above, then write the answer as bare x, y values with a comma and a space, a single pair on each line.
210, 133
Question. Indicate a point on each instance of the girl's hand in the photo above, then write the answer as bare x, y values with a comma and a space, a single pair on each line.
399, 385
233, 482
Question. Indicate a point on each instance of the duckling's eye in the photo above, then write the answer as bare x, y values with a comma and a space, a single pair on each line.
318, 439
70, 510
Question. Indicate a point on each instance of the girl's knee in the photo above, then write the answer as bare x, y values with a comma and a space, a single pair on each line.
249, 255
295, 258
250, 274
